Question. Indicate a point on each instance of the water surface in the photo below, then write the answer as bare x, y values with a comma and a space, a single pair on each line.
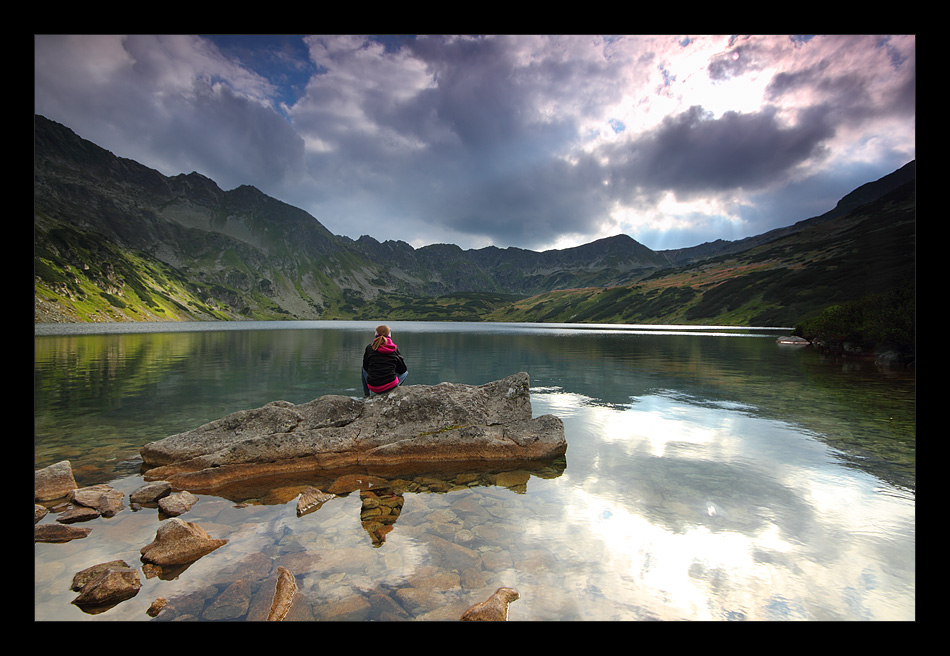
711, 474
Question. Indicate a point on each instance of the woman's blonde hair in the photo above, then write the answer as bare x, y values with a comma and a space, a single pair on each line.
382, 332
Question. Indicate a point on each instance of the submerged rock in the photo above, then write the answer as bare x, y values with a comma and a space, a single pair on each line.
231, 604
283, 595
493, 609
411, 424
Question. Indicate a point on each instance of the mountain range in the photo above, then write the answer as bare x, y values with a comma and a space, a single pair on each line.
117, 241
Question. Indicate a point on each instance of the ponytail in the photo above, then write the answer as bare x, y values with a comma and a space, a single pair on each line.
382, 332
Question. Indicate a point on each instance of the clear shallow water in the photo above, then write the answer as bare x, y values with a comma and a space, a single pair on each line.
710, 474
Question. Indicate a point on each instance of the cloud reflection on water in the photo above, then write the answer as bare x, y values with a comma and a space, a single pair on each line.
700, 512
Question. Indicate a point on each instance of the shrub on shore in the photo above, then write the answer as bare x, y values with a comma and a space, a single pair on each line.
885, 321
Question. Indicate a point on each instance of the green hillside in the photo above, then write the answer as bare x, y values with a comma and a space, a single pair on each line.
116, 241
869, 250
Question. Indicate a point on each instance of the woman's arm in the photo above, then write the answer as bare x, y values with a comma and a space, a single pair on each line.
401, 367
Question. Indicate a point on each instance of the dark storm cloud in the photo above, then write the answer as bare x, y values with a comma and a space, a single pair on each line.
532, 205
694, 152
477, 98
850, 93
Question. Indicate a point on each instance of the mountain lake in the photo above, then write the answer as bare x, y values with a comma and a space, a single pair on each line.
711, 474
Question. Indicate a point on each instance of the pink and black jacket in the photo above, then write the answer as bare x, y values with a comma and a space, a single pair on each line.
383, 366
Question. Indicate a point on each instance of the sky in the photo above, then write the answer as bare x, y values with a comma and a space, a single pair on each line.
531, 141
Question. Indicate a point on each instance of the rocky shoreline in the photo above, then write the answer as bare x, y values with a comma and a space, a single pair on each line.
265, 590
484, 433
881, 357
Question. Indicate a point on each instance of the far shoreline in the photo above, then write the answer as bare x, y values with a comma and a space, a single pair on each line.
119, 327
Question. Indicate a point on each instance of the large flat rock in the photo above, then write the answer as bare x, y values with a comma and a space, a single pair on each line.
422, 424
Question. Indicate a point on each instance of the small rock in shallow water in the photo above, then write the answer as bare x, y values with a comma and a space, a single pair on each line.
151, 492
58, 533
53, 482
311, 499
111, 585
283, 595
178, 542
178, 503
77, 514
157, 607
105, 499
81, 578
493, 609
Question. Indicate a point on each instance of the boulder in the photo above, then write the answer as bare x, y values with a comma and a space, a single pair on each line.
53, 482
106, 500
150, 492
58, 533
178, 542
414, 424
178, 503
77, 514
106, 584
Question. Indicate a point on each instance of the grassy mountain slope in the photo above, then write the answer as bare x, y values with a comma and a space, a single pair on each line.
117, 241
240, 254
868, 250
111, 237
864, 194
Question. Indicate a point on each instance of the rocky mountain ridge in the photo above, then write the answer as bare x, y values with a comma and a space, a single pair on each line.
117, 241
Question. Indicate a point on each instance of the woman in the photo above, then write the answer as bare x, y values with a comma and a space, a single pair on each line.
383, 366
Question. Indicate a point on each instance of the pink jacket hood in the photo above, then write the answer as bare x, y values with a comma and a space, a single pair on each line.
388, 346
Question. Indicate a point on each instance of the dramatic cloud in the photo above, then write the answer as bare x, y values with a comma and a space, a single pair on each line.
530, 141
693, 152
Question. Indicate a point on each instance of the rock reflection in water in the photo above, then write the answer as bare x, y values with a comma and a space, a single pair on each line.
379, 512
451, 554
